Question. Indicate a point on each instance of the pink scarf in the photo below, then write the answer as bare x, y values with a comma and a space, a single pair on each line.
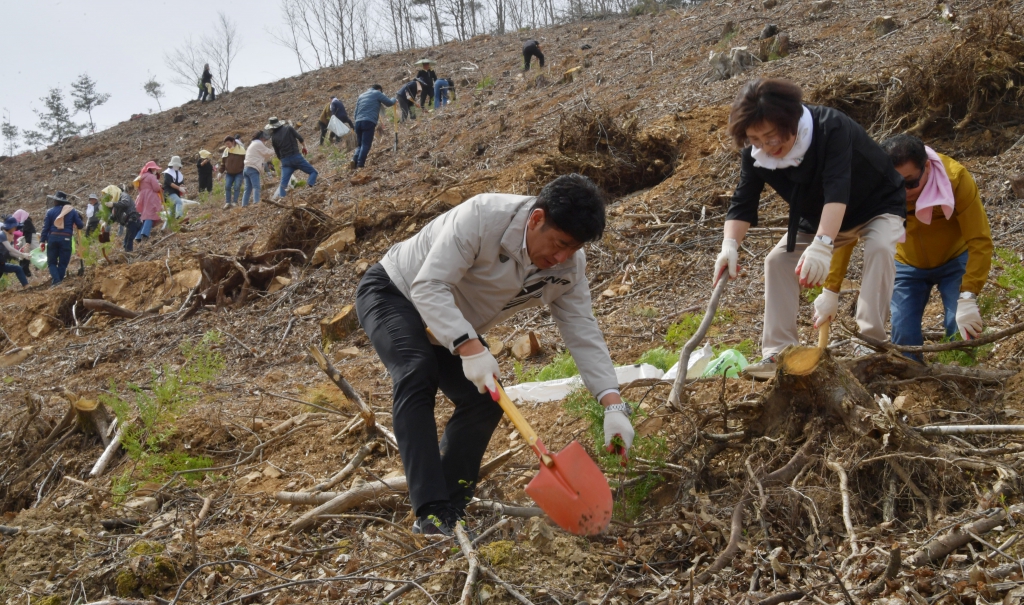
938, 191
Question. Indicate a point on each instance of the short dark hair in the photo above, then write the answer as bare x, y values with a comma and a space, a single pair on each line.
904, 148
772, 100
574, 204
229, 138
378, 87
259, 135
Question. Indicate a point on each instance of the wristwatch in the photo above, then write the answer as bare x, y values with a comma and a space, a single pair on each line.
967, 296
824, 239
619, 407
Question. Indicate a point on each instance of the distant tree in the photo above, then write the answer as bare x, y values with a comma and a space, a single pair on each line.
155, 90
54, 123
35, 139
186, 64
83, 91
10, 133
222, 47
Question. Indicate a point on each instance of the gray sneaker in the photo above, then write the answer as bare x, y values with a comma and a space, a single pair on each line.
763, 369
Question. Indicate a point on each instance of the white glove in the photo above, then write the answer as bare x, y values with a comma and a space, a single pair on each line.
727, 259
616, 423
480, 369
968, 318
814, 264
825, 307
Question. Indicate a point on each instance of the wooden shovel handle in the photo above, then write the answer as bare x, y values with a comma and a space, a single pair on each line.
524, 428
823, 335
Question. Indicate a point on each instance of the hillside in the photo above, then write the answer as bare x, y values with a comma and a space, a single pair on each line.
641, 116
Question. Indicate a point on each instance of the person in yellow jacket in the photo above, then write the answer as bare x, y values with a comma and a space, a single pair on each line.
948, 245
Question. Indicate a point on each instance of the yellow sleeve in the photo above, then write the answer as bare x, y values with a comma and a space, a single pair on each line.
840, 263
970, 214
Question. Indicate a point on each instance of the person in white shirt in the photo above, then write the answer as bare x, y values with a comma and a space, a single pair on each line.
256, 157
92, 217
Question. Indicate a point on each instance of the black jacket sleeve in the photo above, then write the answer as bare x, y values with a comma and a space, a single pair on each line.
837, 172
743, 206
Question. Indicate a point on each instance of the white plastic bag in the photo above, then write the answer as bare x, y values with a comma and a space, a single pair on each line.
337, 127
699, 360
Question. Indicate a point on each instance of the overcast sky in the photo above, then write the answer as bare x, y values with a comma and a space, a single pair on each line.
49, 43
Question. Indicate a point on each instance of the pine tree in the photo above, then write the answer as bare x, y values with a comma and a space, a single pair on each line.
10, 133
55, 123
83, 90
155, 90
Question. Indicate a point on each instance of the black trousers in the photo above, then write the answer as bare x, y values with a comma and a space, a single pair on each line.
418, 369
532, 51
406, 108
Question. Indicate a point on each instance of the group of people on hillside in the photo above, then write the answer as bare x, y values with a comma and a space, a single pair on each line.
427, 304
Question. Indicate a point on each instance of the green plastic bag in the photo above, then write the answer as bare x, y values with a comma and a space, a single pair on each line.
729, 363
38, 259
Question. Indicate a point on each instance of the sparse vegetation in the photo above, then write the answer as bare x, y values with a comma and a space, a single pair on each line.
487, 82
148, 414
562, 366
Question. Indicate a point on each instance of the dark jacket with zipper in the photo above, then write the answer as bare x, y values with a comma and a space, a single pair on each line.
842, 165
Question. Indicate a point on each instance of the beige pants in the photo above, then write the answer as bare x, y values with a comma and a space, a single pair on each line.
782, 286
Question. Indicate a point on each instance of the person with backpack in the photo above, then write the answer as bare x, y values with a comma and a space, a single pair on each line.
290, 148
232, 164
206, 85
123, 212
58, 229
173, 189
9, 252
367, 112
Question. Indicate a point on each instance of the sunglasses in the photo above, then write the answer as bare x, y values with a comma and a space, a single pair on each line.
913, 184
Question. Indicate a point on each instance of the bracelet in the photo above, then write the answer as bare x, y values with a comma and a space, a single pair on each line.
619, 407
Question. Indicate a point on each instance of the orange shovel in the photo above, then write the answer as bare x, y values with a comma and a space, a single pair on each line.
570, 487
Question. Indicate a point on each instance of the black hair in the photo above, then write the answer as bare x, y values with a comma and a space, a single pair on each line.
574, 204
378, 87
904, 148
228, 138
258, 135
773, 100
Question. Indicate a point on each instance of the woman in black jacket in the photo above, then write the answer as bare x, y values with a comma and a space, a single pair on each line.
840, 187
206, 85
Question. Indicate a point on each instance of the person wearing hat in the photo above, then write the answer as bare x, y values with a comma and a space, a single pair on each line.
367, 113
58, 229
123, 212
25, 224
232, 164
531, 48
150, 200
427, 76
290, 149
205, 168
8, 252
173, 189
92, 218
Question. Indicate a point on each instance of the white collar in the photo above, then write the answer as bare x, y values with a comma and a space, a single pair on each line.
804, 134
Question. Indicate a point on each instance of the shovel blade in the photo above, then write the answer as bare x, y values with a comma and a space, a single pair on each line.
573, 492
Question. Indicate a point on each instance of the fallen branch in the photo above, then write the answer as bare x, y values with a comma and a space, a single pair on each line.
515, 594
891, 571
474, 564
349, 499
945, 346
959, 536
103, 306
844, 490
783, 598
108, 454
502, 509
675, 396
905, 476
969, 429
350, 468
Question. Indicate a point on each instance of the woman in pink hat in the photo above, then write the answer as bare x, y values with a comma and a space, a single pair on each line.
150, 201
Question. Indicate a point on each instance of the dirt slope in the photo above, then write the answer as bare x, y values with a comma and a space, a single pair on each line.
641, 117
